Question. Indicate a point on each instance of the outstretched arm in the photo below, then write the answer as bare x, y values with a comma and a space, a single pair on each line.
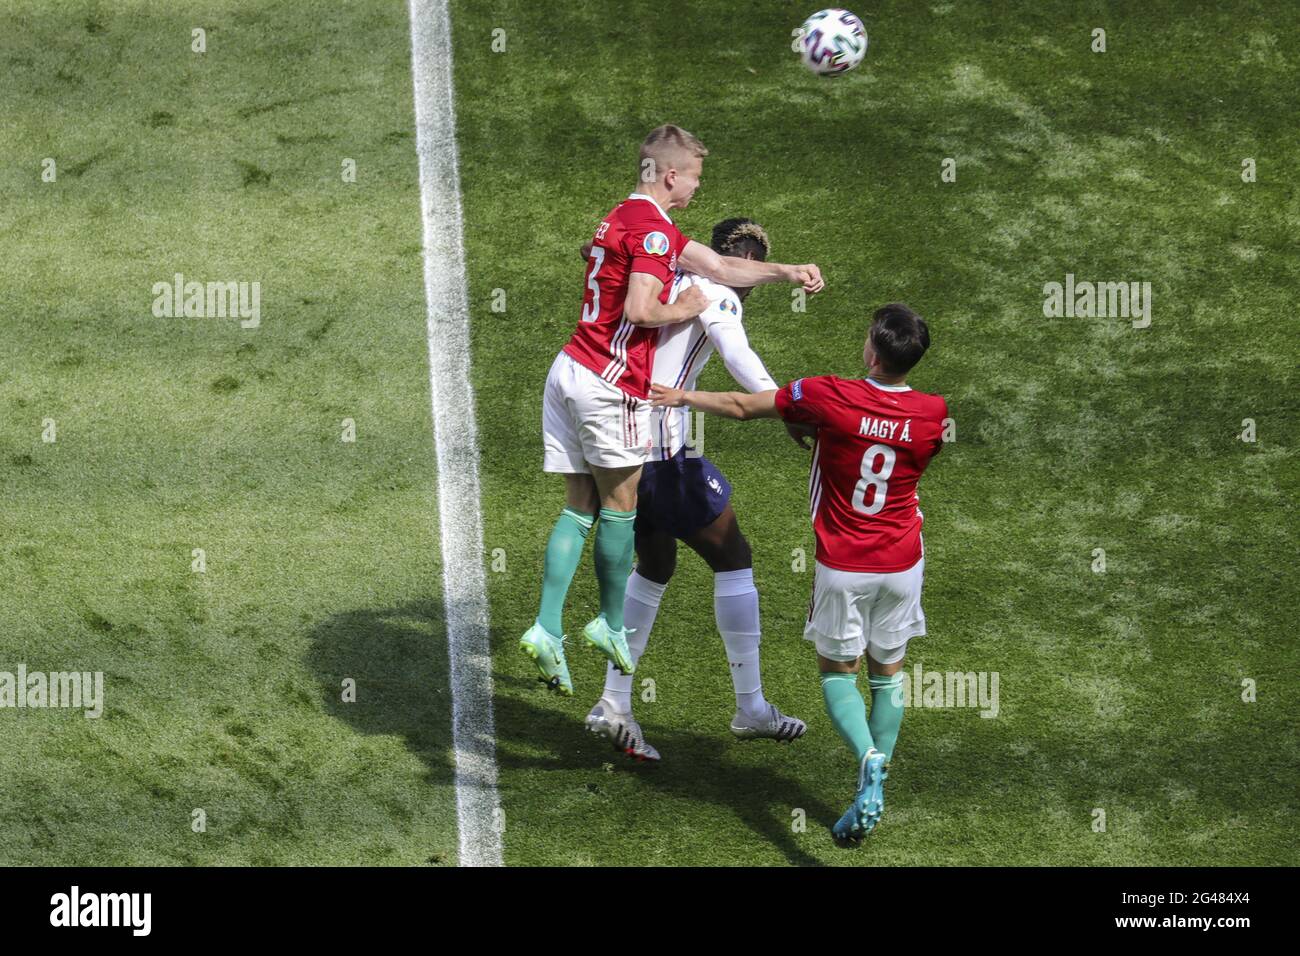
744, 273
747, 369
725, 404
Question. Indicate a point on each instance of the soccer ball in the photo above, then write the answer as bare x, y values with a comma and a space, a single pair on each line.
831, 42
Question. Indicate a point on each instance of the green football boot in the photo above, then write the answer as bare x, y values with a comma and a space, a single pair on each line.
611, 643
548, 651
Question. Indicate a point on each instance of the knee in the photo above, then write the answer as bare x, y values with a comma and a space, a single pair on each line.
733, 555
828, 665
655, 564
581, 494
621, 499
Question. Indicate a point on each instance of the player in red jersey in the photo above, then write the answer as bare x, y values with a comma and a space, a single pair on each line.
874, 438
596, 413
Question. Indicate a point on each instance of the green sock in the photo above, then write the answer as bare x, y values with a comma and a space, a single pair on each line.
886, 711
848, 711
563, 552
614, 562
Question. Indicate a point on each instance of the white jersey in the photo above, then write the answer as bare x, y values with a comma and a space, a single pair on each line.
685, 347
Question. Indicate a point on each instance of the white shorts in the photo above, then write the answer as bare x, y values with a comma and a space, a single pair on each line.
589, 421
855, 613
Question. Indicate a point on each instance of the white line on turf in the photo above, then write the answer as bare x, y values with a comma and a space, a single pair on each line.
455, 438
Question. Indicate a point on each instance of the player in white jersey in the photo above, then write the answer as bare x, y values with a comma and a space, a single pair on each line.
683, 496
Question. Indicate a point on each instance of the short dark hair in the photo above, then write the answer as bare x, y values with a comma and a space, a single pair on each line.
735, 237
899, 337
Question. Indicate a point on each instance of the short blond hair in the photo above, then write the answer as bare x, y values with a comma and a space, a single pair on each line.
667, 147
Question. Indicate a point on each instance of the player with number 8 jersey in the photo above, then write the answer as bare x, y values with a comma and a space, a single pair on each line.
875, 436
873, 443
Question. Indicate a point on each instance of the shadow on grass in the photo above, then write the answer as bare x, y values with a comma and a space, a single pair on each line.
698, 768
398, 658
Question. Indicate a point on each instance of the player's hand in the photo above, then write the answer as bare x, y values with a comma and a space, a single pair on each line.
586, 251
801, 433
693, 301
808, 276
662, 396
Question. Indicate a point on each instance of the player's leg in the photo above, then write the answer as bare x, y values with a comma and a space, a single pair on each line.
845, 706
848, 713
886, 682
564, 548
888, 607
725, 549
614, 547
837, 628
563, 454
611, 429
895, 618
877, 734
656, 559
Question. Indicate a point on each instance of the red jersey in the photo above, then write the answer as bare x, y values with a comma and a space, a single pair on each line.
873, 442
637, 236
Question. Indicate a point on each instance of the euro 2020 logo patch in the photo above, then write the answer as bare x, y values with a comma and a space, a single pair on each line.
655, 243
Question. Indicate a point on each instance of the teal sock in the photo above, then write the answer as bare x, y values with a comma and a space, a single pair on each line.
563, 552
886, 711
848, 711
614, 562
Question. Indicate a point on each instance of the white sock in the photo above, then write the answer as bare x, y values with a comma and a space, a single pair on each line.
640, 605
735, 605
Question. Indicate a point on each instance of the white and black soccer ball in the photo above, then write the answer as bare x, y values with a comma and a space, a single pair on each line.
831, 42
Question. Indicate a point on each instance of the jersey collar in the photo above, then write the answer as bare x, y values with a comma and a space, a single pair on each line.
888, 388
650, 200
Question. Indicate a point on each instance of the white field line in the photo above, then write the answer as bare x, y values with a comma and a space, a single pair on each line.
455, 435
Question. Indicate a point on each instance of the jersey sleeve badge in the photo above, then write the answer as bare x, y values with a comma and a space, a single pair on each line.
655, 243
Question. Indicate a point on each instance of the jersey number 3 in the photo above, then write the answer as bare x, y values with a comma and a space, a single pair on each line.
873, 478
590, 313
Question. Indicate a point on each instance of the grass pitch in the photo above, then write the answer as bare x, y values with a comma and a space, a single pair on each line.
1120, 691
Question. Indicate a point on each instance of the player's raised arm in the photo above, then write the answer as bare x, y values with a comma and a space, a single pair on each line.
644, 308
742, 273
724, 404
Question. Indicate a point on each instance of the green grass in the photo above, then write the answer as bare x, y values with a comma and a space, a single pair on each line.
1119, 691
223, 688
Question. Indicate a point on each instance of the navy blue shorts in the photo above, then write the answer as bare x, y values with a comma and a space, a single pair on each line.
680, 496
